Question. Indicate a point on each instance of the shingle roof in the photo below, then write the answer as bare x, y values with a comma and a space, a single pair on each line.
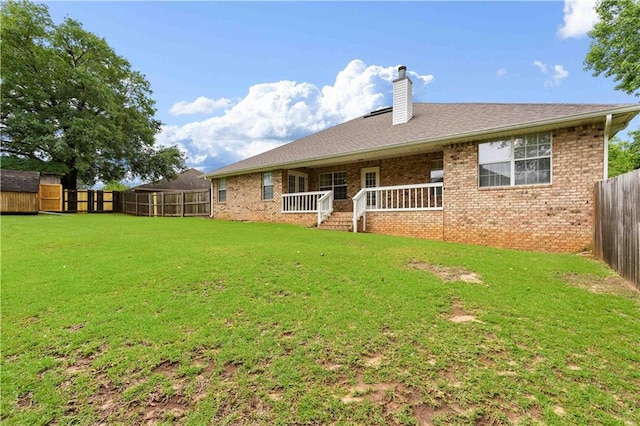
431, 122
185, 181
19, 181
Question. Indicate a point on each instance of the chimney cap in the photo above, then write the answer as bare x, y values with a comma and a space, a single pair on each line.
402, 72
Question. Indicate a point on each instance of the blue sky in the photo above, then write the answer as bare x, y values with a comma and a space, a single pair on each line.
232, 79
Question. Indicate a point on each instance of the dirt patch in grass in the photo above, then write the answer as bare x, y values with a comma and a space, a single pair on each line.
140, 401
443, 407
391, 395
453, 413
448, 273
463, 318
612, 284
275, 396
25, 400
166, 368
373, 361
76, 327
329, 366
229, 370
459, 315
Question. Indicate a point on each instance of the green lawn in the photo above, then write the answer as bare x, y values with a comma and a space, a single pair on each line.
119, 319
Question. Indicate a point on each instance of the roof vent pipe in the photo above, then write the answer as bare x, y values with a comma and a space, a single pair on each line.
402, 97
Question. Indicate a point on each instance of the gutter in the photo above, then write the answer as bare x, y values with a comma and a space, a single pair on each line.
445, 139
607, 128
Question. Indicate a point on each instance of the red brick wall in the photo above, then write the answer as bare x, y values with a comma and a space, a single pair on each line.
554, 217
417, 224
244, 201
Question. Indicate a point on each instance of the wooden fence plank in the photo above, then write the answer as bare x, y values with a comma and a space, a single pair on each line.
178, 203
51, 197
90, 201
19, 202
616, 237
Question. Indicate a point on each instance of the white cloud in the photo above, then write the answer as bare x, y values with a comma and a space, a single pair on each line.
541, 66
275, 113
201, 105
554, 80
559, 74
579, 17
501, 72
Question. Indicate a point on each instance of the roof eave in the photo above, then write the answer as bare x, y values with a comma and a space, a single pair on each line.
631, 110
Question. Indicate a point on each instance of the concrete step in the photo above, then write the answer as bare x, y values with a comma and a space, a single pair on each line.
338, 221
335, 228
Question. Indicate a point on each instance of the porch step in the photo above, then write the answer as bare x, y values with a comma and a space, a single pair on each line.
338, 221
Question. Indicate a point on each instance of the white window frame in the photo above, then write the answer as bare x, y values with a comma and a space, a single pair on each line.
434, 165
333, 186
263, 186
298, 175
222, 188
512, 162
372, 199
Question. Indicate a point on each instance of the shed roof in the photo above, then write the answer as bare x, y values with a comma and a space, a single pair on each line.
432, 125
19, 181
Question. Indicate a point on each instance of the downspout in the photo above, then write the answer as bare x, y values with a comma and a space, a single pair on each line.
607, 128
211, 200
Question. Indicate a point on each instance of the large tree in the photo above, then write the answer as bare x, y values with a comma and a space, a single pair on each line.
615, 52
615, 44
622, 157
69, 100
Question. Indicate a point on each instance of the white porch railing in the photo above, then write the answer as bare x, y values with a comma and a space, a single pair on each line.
325, 206
320, 202
359, 208
423, 196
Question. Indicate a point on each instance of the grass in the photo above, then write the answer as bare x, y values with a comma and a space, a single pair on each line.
118, 319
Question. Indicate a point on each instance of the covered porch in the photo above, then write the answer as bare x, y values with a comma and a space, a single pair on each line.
380, 199
383, 188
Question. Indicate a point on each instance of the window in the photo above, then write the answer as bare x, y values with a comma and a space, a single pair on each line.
336, 181
222, 190
267, 186
523, 160
436, 172
297, 181
436, 175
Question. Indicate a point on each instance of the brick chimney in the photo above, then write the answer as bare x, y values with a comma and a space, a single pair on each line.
402, 97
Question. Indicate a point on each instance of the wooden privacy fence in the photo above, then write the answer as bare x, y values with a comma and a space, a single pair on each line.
616, 238
181, 203
51, 197
89, 201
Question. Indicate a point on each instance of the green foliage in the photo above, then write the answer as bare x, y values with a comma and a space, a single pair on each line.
623, 157
125, 320
615, 44
12, 162
68, 98
615, 52
115, 185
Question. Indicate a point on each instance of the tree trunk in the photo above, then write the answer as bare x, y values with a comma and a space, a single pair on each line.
70, 180
70, 183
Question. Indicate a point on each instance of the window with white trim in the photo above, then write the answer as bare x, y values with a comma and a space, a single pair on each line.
521, 160
336, 182
297, 181
436, 171
222, 190
267, 186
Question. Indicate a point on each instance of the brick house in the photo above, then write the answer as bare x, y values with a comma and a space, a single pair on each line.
506, 175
